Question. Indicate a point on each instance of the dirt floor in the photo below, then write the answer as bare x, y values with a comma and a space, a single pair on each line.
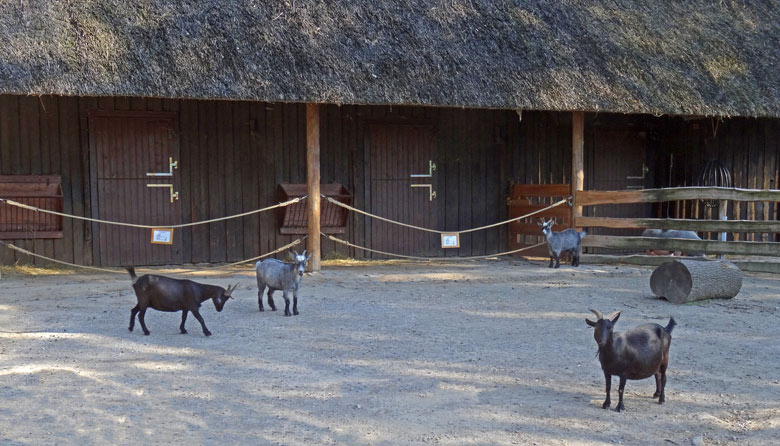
482, 353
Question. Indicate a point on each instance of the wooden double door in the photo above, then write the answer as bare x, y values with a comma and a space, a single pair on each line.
135, 174
403, 174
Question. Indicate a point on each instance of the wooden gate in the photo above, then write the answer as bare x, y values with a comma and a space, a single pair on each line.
402, 159
135, 171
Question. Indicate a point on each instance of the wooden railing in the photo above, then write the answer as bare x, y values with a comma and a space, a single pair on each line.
526, 198
592, 198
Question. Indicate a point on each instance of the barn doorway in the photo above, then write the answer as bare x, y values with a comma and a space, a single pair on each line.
135, 179
618, 161
402, 170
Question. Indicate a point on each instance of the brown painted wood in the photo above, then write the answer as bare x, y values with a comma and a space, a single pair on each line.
313, 184
126, 147
396, 151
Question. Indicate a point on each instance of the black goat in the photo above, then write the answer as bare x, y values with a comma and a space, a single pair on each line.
167, 294
638, 353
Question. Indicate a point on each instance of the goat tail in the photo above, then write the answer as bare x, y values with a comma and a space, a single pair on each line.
131, 270
583, 233
670, 326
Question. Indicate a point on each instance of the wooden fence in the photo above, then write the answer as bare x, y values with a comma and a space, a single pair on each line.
593, 198
527, 198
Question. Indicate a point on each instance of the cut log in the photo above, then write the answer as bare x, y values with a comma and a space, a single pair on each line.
682, 281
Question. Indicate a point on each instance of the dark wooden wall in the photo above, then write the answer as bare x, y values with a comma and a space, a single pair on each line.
234, 154
750, 148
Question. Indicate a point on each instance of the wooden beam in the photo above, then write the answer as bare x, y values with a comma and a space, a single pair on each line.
313, 183
577, 158
676, 244
674, 223
589, 198
606, 259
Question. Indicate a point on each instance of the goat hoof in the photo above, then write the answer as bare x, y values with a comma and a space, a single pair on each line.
296, 313
273, 308
183, 331
656, 394
619, 408
146, 333
605, 405
661, 400
130, 328
207, 333
261, 309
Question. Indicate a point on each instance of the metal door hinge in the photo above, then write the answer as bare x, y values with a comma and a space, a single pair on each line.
431, 168
431, 192
174, 195
171, 165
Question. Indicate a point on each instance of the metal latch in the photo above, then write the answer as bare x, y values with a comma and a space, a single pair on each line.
174, 195
171, 165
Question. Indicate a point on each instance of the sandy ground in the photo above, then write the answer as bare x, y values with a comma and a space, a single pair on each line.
485, 353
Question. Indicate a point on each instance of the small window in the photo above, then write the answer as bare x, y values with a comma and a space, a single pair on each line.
41, 191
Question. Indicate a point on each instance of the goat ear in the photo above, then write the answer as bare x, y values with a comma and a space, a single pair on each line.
293, 255
590, 322
614, 316
540, 223
307, 258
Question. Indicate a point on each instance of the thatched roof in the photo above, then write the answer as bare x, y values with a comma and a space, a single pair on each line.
697, 57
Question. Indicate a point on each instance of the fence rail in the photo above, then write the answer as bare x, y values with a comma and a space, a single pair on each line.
592, 198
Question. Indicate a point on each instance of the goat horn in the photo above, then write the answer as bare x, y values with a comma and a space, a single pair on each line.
598, 315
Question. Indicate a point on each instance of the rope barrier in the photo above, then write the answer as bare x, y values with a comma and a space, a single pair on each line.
287, 246
430, 259
132, 225
436, 231
95, 268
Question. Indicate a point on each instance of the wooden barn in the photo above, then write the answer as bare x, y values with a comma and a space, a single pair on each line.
431, 113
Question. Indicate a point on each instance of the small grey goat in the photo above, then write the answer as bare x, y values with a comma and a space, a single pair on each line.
278, 275
670, 233
558, 243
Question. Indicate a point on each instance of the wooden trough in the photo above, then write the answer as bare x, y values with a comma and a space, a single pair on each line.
294, 218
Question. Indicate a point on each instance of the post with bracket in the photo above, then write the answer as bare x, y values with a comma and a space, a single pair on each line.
313, 184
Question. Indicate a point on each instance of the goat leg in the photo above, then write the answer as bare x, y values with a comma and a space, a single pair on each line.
141, 315
661, 398
133, 312
295, 304
183, 320
286, 304
271, 299
197, 315
551, 261
557, 261
608, 379
620, 394
657, 385
260, 298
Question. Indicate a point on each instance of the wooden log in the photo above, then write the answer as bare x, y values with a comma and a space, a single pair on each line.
313, 183
682, 281
577, 159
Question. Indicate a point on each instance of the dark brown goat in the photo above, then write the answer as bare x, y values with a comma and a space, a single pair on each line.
167, 294
638, 353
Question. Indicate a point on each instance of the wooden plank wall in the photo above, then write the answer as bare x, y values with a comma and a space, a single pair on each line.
234, 154
750, 148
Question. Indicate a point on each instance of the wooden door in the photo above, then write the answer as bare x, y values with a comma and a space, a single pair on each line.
126, 148
396, 152
619, 163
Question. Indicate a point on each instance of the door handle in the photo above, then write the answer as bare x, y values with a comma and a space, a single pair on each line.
171, 165
174, 195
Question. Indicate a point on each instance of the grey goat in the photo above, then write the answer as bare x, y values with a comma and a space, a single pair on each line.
558, 243
277, 275
670, 233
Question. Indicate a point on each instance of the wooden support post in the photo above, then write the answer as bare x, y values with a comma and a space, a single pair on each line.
723, 215
313, 182
577, 159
